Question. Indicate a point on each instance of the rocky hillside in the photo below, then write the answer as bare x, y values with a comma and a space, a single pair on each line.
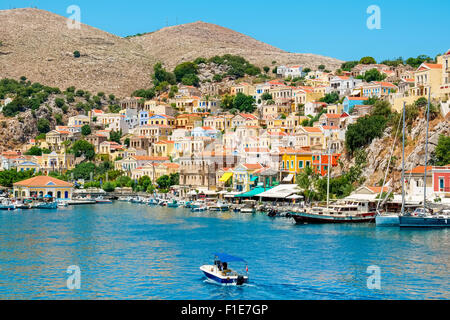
199, 39
38, 45
379, 150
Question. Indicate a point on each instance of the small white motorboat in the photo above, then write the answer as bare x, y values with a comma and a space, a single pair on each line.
100, 199
219, 206
221, 273
201, 208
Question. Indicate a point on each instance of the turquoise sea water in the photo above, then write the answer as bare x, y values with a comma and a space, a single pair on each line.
131, 251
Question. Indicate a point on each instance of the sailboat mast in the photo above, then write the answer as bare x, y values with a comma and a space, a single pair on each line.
403, 160
328, 182
426, 154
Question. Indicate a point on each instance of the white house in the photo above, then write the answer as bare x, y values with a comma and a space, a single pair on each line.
343, 85
286, 71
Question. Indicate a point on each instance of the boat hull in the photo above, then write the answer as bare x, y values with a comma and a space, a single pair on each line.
7, 208
303, 217
223, 280
424, 222
387, 221
47, 206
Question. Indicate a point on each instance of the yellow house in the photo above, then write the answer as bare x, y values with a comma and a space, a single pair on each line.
27, 166
293, 162
309, 136
161, 119
244, 88
60, 162
163, 148
335, 109
445, 82
42, 186
427, 77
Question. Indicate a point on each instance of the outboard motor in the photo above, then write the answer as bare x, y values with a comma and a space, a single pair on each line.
240, 280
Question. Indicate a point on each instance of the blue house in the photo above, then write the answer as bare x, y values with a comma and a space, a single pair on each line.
350, 102
143, 117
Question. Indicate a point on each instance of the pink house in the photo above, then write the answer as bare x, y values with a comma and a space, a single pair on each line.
441, 180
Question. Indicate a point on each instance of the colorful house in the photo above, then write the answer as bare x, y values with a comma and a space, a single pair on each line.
244, 176
350, 102
41, 186
321, 162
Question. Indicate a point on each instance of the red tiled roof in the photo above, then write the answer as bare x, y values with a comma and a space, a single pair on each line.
312, 129
43, 181
419, 169
253, 166
378, 189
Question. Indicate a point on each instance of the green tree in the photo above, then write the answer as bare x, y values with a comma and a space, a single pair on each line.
266, 96
109, 187
34, 151
349, 65
161, 75
361, 133
367, 60
86, 130
76, 54
190, 80
43, 125
321, 67
266, 69
185, 69
227, 102
163, 182
82, 147
442, 151
115, 136
330, 98
373, 75
381, 108
416, 62
59, 102
244, 103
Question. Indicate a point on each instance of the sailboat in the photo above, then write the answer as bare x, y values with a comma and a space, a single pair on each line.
345, 212
392, 219
424, 217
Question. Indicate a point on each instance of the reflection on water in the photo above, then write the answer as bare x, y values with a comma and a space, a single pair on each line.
129, 251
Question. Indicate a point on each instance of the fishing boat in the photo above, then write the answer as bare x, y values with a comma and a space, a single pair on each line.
199, 209
197, 204
62, 203
78, 202
152, 202
221, 273
173, 204
137, 200
124, 199
100, 199
7, 205
46, 205
339, 213
219, 206
248, 207
425, 218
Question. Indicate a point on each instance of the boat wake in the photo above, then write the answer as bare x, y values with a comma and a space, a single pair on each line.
209, 281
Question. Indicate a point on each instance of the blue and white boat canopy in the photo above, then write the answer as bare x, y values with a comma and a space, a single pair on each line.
223, 257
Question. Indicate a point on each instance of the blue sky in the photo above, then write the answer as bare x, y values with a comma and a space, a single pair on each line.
332, 28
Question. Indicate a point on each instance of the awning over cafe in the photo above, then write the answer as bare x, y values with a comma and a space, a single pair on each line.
227, 176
